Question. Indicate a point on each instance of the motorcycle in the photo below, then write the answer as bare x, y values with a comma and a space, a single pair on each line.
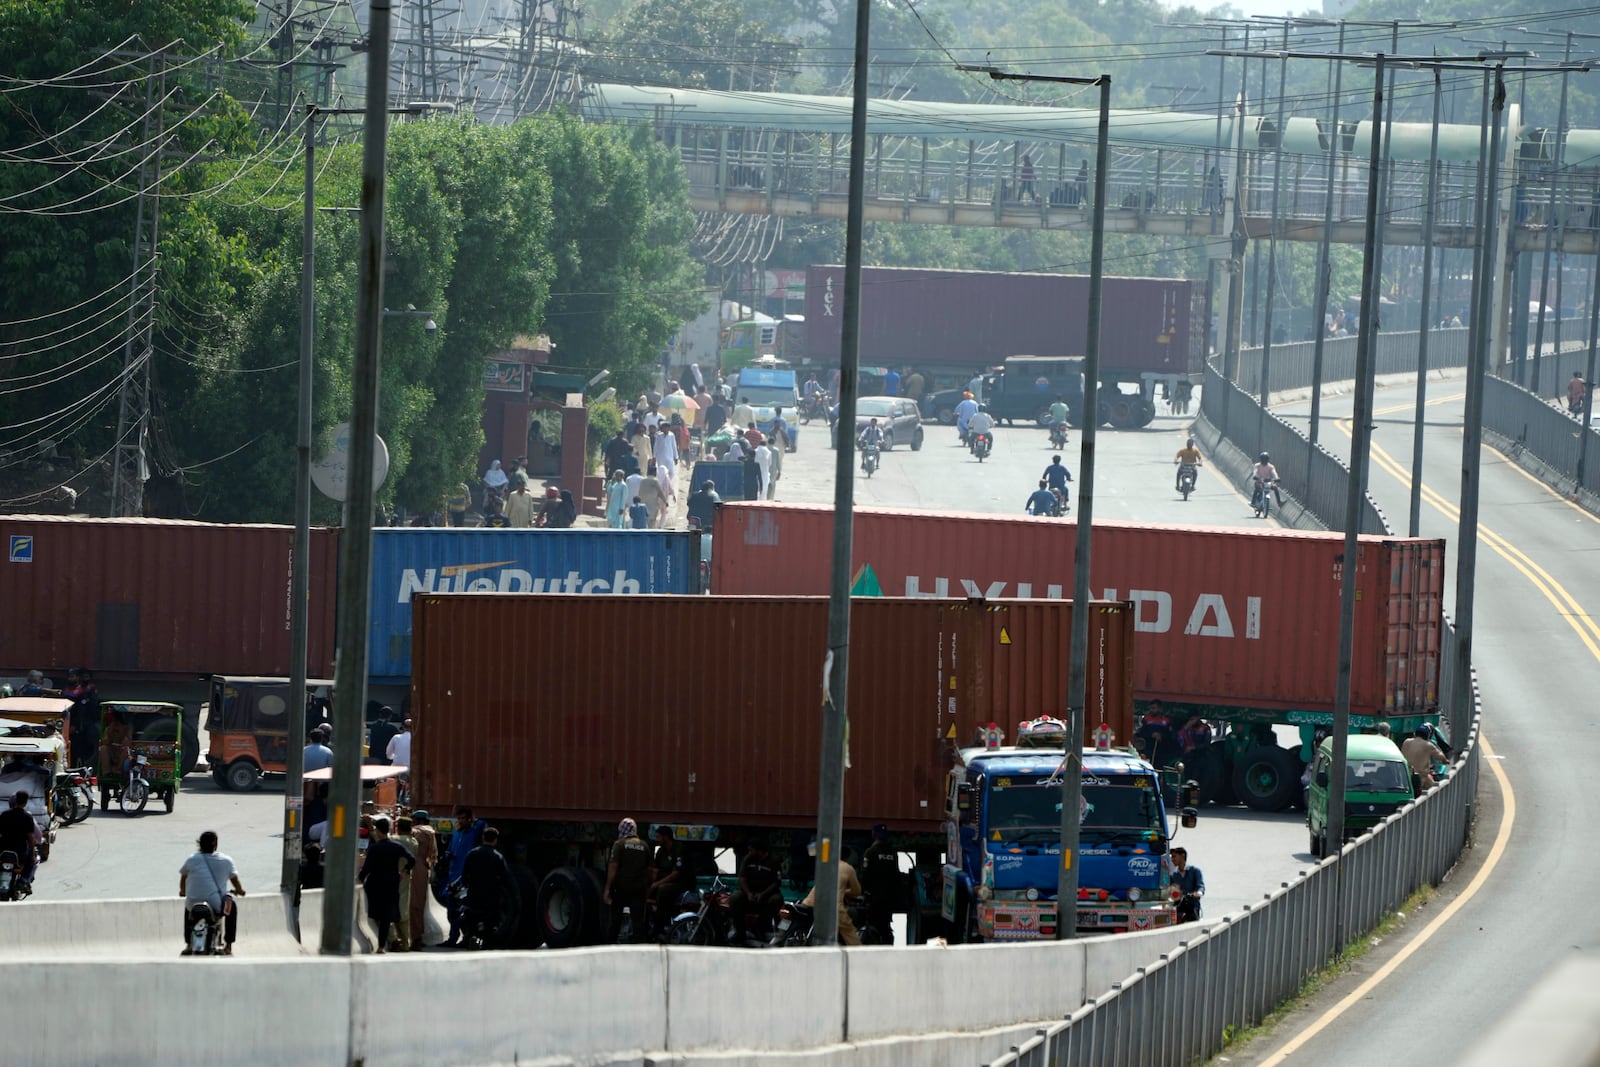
796, 921
205, 931
705, 919
74, 796
136, 793
1187, 474
12, 886
1058, 435
982, 445
815, 406
1061, 502
1262, 500
869, 459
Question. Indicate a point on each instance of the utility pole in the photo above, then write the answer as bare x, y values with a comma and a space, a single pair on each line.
355, 570
835, 668
1430, 210
1272, 240
129, 466
1078, 671
1356, 485
1319, 315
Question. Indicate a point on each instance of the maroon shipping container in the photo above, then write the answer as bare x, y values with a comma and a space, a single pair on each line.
977, 318
706, 709
1236, 618
154, 596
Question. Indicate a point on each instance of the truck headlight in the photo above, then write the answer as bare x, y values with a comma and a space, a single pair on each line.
1133, 893
1032, 894
984, 892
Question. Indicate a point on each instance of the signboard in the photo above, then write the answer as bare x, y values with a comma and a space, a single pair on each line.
503, 377
331, 473
21, 548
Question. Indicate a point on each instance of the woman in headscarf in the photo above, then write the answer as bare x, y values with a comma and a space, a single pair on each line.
494, 484
617, 501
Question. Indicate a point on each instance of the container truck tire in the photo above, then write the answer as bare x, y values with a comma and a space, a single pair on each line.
1214, 773
1123, 413
1147, 411
563, 906
527, 933
1266, 778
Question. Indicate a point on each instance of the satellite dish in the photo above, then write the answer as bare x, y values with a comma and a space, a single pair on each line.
331, 473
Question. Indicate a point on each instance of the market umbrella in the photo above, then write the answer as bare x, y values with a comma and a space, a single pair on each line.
680, 400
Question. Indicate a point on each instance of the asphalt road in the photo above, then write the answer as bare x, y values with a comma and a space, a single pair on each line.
1537, 652
1244, 854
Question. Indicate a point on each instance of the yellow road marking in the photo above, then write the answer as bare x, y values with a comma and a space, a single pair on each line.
1364, 990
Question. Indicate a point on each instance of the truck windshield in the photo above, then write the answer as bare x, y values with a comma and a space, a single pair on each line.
767, 396
1026, 805
1121, 807
1377, 776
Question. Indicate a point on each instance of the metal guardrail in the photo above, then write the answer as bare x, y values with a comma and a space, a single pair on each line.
1230, 975
1309, 473
1291, 362
1542, 429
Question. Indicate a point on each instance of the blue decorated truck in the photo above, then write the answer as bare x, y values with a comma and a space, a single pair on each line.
1003, 840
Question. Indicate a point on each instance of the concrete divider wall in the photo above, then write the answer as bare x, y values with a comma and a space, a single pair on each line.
594, 1005
144, 928
773, 999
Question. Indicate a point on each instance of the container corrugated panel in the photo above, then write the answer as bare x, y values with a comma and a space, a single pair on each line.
975, 318
710, 709
1223, 617
480, 559
159, 596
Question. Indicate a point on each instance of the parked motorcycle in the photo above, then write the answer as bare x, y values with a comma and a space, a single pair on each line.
12, 887
74, 795
796, 921
1187, 474
136, 793
982, 445
704, 918
1058, 435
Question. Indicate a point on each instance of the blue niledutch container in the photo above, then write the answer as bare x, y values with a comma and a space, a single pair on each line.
471, 560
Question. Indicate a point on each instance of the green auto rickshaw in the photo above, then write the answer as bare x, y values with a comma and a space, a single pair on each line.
141, 753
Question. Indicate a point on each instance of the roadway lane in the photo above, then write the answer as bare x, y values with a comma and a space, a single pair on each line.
1244, 854
1537, 651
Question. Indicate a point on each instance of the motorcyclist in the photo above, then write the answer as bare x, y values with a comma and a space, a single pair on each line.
812, 388
204, 878
1058, 415
19, 833
870, 439
1266, 474
964, 412
1188, 455
1057, 476
982, 423
760, 889
1041, 501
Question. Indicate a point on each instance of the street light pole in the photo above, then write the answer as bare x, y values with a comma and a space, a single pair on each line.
1319, 314
1429, 212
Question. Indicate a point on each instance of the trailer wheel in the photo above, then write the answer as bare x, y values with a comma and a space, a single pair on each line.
1212, 769
562, 907
1123, 413
242, 776
527, 932
1265, 778
1147, 411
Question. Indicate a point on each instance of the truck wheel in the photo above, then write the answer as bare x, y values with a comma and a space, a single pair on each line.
1147, 412
527, 931
1265, 778
242, 776
1122, 412
945, 416
562, 906
1212, 769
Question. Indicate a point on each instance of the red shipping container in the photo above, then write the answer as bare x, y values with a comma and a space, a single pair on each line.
1223, 617
155, 596
706, 709
969, 318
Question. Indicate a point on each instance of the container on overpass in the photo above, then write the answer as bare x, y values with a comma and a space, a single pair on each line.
1232, 626
952, 324
714, 731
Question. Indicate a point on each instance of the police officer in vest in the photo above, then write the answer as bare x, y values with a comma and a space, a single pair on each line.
627, 880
